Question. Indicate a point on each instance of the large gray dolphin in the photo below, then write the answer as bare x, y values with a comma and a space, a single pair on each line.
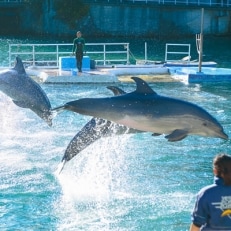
95, 129
25, 92
145, 110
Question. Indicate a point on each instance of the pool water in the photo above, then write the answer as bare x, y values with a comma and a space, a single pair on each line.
133, 182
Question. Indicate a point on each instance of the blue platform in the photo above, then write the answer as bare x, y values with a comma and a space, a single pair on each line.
208, 74
69, 63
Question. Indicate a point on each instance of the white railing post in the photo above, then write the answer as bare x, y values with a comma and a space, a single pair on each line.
145, 52
104, 54
166, 51
57, 55
128, 49
9, 55
33, 54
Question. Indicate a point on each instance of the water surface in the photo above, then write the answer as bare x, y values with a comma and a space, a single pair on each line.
130, 182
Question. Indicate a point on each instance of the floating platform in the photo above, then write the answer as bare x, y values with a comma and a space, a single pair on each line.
189, 64
207, 74
83, 78
109, 74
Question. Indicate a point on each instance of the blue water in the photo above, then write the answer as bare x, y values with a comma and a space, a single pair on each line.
124, 183
131, 182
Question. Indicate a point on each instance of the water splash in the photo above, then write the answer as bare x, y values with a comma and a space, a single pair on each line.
95, 170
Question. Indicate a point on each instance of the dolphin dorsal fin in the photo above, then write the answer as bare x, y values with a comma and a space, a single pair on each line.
142, 86
19, 66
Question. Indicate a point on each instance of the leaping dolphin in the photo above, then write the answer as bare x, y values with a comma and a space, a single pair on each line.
145, 110
25, 92
95, 129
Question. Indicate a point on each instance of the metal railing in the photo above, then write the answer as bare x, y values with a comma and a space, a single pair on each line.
47, 55
209, 3
12, 1
178, 52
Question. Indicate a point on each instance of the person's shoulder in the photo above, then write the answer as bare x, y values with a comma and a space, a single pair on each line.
209, 189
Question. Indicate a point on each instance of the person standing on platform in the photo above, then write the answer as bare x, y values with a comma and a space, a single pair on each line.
78, 49
212, 209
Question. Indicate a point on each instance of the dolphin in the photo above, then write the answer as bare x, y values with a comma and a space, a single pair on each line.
145, 110
95, 129
25, 92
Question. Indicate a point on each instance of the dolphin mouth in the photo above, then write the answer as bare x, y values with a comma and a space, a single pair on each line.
222, 135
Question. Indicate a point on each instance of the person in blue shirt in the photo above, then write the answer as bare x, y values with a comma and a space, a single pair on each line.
78, 49
212, 209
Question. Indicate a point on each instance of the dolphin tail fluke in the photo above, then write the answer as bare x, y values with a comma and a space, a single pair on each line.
55, 111
60, 167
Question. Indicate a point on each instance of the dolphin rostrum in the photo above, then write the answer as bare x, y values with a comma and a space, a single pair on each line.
25, 92
95, 129
145, 110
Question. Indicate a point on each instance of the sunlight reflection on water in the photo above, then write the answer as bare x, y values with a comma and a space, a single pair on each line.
130, 182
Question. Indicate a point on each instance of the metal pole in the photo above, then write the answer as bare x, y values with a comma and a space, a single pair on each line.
201, 40
145, 50
128, 49
9, 55
57, 55
104, 54
33, 50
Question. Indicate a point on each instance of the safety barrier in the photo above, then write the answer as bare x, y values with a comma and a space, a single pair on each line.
177, 52
205, 3
47, 55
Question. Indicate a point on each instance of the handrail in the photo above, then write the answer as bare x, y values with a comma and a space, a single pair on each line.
12, 1
205, 3
212, 3
47, 55
208, 3
185, 50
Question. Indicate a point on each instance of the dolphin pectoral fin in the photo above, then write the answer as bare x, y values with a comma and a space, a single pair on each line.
176, 135
21, 104
156, 134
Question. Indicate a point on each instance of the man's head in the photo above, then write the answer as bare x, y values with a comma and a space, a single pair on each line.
78, 34
222, 167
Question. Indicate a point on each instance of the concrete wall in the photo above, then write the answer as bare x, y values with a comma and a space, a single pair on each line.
128, 20
162, 21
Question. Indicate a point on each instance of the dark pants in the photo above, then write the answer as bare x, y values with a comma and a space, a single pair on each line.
79, 58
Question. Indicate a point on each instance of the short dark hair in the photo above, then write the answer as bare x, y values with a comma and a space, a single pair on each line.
222, 163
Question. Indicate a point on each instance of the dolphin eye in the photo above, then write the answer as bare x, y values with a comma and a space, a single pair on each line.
204, 124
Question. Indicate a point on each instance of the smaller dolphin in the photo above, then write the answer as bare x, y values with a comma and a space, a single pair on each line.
145, 110
25, 92
95, 129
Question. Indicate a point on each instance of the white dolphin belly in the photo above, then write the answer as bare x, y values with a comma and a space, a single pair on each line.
164, 125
